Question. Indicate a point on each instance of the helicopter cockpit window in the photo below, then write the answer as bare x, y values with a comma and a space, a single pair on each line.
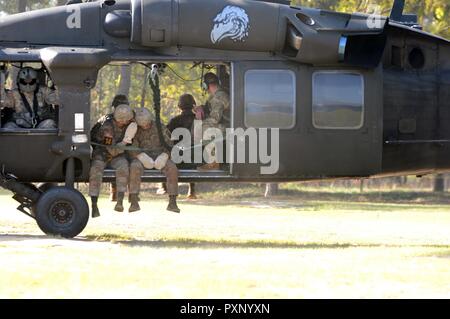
270, 99
338, 100
28, 98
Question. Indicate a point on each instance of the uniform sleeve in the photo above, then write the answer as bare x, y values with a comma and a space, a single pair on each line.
172, 125
136, 144
9, 99
51, 96
106, 136
167, 136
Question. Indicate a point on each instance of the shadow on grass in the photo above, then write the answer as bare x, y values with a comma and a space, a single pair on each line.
24, 237
312, 200
440, 254
193, 243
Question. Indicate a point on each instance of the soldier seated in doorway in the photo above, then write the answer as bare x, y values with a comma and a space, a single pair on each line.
119, 99
113, 134
186, 104
33, 103
153, 156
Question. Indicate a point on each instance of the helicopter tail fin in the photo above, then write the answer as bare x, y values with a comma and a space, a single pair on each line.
397, 15
397, 10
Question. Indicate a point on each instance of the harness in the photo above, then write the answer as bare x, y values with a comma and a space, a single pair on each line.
33, 111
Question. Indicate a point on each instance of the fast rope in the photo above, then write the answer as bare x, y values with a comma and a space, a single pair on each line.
153, 80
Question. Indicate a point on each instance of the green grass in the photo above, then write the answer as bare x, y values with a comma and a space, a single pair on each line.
236, 244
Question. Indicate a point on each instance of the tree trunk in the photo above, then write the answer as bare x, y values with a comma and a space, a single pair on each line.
271, 190
439, 184
22, 5
125, 80
144, 88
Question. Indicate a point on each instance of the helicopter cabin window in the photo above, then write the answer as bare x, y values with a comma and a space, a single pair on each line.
338, 100
28, 98
270, 99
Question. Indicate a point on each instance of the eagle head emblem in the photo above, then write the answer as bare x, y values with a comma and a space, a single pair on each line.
233, 23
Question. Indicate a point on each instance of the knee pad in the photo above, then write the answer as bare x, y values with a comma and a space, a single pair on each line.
161, 161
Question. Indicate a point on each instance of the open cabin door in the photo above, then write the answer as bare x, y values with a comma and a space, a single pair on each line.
329, 120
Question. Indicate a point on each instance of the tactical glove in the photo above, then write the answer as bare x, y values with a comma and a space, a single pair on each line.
161, 161
146, 160
130, 133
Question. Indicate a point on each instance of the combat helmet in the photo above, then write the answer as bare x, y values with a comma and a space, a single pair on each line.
210, 78
143, 116
27, 79
123, 113
186, 102
118, 100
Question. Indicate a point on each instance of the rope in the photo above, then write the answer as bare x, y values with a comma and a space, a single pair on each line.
157, 107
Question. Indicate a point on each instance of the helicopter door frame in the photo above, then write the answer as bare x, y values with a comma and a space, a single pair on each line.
283, 117
339, 150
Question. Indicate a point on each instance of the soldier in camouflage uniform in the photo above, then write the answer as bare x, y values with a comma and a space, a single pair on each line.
186, 104
215, 114
113, 132
154, 155
118, 100
32, 103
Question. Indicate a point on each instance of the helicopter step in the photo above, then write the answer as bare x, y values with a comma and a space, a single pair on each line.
185, 175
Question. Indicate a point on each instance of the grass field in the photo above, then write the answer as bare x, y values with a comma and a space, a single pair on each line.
305, 243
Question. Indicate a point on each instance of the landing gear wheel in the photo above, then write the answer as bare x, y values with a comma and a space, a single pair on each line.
62, 211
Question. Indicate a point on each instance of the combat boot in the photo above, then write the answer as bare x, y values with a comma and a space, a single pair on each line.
134, 200
113, 195
191, 192
162, 190
95, 210
173, 207
119, 206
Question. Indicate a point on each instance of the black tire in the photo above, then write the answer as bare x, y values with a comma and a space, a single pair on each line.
62, 211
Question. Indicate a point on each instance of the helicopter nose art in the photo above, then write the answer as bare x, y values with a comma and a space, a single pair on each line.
233, 23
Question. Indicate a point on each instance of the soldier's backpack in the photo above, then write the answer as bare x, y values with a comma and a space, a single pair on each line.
96, 129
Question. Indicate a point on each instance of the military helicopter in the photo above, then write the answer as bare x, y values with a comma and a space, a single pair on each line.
351, 95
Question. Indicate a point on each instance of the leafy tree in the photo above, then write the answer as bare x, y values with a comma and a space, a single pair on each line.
433, 15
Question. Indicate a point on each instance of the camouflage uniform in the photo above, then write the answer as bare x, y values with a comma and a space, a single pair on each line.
109, 134
217, 111
149, 139
40, 102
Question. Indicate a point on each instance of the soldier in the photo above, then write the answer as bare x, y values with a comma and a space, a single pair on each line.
186, 104
32, 103
118, 100
113, 132
154, 156
215, 114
